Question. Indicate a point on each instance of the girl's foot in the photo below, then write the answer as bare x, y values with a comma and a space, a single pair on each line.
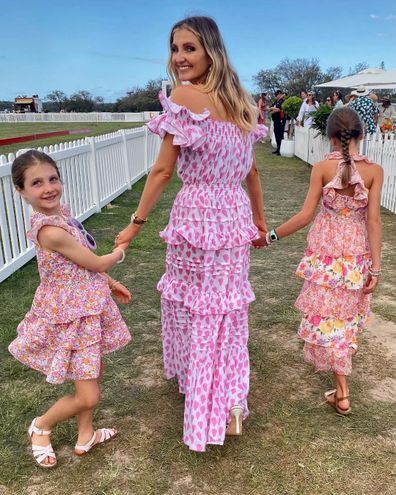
43, 452
340, 404
99, 436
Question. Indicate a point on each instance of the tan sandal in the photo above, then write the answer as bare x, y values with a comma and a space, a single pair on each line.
334, 403
41, 452
234, 428
106, 434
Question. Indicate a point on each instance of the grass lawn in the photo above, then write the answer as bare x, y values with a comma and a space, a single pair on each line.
292, 445
24, 129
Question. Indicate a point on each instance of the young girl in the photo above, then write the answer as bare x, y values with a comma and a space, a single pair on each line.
73, 320
341, 265
208, 127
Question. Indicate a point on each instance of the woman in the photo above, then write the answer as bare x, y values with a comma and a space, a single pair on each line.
308, 107
262, 108
208, 127
329, 101
337, 98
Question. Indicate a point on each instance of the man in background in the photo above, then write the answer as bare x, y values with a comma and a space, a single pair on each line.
278, 118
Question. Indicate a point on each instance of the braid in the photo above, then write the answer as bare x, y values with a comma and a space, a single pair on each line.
345, 138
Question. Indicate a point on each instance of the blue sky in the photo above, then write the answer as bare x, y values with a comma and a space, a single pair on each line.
108, 47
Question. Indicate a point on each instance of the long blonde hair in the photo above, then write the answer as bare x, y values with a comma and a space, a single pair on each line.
222, 81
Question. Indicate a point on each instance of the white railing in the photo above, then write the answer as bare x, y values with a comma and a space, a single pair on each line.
78, 117
94, 171
380, 149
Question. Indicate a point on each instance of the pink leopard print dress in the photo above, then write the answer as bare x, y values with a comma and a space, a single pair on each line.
205, 289
335, 268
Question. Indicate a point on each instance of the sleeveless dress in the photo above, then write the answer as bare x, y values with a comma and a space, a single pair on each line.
335, 268
205, 291
73, 320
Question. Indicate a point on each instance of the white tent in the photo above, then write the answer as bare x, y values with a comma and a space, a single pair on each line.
387, 80
366, 77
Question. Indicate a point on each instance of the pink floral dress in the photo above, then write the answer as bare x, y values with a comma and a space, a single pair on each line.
205, 289
73, 320
335, 268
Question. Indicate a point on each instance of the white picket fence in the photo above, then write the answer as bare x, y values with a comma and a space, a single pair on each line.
312, 148
78, 117
94, 171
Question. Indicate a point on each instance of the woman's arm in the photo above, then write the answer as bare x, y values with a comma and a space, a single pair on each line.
157, 180
60, 241
255, 192
307, 212
300, 115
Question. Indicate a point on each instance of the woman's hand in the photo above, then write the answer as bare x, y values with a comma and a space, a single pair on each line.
124, 238
261, 242
371, 284
121, 293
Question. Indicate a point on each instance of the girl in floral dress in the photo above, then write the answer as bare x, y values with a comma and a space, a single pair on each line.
341, 265
73, 320
208, 127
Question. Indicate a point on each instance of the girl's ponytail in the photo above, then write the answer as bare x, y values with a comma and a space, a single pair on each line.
345, 138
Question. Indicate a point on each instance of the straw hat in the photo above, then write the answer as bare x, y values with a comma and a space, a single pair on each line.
360, 91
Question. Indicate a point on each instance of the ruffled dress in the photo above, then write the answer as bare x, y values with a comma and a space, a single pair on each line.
73, 320
335, 268
205, 290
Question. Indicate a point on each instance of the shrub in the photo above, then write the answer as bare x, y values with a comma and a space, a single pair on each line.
320, 119
291, 107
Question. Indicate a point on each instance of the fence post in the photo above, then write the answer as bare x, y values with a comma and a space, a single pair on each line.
94, 176
146, 164
125, 155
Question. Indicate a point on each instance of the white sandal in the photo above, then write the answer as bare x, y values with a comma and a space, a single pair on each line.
41, 452
106, 434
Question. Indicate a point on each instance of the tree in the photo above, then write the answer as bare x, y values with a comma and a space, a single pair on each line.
57, 97
358, 68
292, 76
140, 99
382, 65
81, 101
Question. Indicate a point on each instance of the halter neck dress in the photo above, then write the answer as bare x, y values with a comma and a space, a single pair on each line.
335, 268
205, 290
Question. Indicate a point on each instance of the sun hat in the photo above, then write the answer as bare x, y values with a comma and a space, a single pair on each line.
360, 91
385, 99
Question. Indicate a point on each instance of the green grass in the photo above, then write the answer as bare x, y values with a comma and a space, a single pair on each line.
291, 445
8, 130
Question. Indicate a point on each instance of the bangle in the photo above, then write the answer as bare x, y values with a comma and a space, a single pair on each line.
123, 254
136, 220
113, 284
375, 273
268, 239
273, 235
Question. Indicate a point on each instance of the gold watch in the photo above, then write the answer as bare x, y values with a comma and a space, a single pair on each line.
136, 220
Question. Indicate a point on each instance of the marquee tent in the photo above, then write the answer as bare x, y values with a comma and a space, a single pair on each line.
372, 78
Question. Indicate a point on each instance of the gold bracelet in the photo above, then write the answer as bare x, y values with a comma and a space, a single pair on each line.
113, 284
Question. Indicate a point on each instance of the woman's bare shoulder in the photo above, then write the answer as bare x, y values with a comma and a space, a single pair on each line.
190, 97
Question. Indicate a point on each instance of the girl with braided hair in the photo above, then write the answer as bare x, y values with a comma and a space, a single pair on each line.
341, 266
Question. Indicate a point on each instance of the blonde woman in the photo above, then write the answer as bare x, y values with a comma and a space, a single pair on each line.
208, 127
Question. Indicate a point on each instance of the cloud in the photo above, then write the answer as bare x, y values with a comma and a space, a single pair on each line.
390, 17
158, 61
374, 16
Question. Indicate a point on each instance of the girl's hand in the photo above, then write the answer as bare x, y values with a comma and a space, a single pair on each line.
371, 284
261, 242
124, 238
121, 293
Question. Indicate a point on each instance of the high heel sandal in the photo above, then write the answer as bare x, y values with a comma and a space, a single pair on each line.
234, 428
340, 410
41, 452
105, 435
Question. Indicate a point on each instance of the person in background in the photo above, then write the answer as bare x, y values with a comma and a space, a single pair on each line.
337, 99
304, 94
386, 115
329, 102
366, 109
262, 108
308, 107
278, 118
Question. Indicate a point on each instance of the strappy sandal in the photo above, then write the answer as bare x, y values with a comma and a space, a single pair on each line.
234, 428
41, 452
106, 434
334, 403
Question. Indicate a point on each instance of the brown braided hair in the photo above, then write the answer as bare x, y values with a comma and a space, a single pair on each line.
345, 125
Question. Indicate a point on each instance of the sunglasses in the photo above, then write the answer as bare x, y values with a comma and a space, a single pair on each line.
328, 99
88, 237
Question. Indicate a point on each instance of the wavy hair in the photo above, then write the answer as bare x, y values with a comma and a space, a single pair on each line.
222, 81
345, 125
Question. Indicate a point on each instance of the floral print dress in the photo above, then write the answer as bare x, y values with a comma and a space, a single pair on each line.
205, 289
73, 320
335, 268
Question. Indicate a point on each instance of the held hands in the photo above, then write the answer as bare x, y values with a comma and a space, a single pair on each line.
124, 238
261, 242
